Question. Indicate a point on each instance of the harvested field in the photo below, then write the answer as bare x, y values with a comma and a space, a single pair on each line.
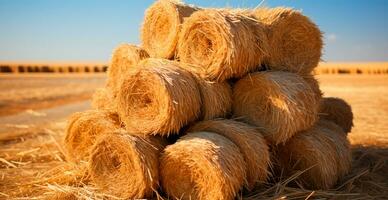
32, 162
22, 92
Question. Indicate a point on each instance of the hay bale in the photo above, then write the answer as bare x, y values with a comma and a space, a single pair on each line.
103, 99
295, 41
124, 58
83, 129
223, 43
250, 141
282, 103
202, 165
337, 111
216, 97
126, 166
323, 151
159, 98
162, 25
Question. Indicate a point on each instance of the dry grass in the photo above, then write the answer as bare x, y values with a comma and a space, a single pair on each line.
103, 99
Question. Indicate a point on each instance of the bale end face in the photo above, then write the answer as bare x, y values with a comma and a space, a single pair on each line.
114, 157
159, 98
83, 129
337, 111
162, 25
189, 164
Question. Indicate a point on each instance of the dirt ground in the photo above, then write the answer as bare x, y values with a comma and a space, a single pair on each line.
32, 162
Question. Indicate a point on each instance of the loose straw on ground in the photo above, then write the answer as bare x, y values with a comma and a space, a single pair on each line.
162, 25
323, 152
338, 111
250, 141
125, 57
224, 43
295, 41
202, 165
160, 98
83, 129
282, 103
126, 166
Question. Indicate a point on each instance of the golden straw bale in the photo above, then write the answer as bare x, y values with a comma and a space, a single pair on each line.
216, 96
126, 166
250, 141
159, 98
295, 41
282, 103
337, 111
124, 58
102, 99
162, 25
202, 165
224, 43
323, 151
82, 130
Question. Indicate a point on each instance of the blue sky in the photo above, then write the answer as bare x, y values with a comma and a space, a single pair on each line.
88, 30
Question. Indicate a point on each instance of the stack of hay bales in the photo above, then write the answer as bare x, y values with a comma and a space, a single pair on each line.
214, 101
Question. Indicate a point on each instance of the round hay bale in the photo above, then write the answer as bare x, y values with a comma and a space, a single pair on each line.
103, 99
202, 165
216, 97
83, 129
282, 103
337, 111
162, 25
159, 98
322, 152
223, 43
250, 141
124, 58
295, 41
126, 166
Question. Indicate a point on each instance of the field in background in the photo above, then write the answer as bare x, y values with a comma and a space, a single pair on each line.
32, 162
323, 68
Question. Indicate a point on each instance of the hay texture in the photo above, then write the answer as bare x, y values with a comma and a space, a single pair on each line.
202, 165
250, 141
83, 129
323, 152
223, 43
125, 57
282, 103
103, 99
216, 97
295, 41
162, 25
126, 166
160, 98
337, 111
